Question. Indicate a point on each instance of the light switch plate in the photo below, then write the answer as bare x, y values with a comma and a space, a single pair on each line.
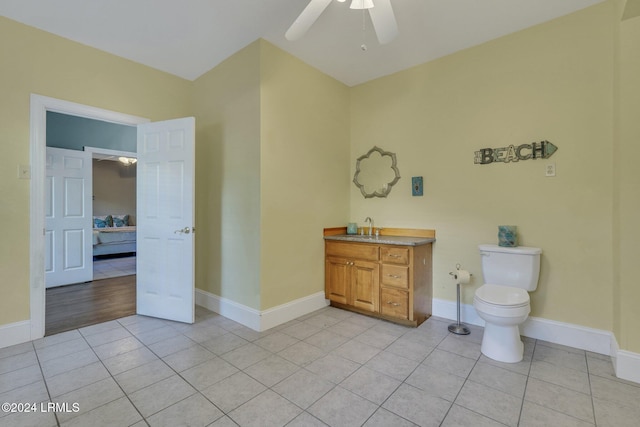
24, 171
416, 186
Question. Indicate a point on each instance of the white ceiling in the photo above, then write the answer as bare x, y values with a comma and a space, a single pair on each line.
189, 37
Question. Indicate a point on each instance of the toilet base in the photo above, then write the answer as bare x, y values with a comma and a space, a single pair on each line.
502, 343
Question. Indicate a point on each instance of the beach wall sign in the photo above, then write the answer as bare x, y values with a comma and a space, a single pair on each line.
513, 153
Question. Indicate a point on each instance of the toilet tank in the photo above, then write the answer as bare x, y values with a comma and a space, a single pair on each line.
518, 266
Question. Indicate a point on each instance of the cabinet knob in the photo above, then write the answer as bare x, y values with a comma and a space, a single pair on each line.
395, 304
395, 276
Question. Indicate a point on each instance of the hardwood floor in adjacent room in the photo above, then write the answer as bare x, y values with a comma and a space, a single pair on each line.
75, 306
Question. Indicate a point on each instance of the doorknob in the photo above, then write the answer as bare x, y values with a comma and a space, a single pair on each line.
185, 230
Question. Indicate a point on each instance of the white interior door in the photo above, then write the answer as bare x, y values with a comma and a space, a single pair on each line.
68, 217
165, 241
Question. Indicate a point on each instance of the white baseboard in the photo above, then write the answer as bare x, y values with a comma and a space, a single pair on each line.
595, 340
256, 319
15, 333
250, 317
285, 312
626, 364
448, 310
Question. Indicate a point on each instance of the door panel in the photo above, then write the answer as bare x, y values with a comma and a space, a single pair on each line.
165, 261
68, 217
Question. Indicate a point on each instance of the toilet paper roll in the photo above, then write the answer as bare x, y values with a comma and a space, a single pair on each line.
462, 276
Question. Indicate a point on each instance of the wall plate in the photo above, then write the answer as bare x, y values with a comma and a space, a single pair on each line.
416, 186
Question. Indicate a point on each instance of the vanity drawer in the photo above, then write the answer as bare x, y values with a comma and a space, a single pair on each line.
394, 303
395, 275
394, 254
352, 251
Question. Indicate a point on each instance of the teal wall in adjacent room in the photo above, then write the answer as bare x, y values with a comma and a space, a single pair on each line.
74, 133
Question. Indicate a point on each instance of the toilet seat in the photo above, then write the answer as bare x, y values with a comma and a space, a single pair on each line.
502, 296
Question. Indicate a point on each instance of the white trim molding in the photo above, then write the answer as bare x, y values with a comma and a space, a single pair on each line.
291, 310
448, 310
595, 340
256, 319
15, 333
626, 364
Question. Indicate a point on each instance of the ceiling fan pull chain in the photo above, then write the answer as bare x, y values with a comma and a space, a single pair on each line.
363, 46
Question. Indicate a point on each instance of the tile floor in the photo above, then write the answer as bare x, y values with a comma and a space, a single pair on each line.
114, 267
330, 367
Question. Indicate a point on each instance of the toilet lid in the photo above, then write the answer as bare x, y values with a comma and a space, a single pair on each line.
502, 295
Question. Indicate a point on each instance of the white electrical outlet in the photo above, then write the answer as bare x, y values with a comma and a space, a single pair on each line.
550, 169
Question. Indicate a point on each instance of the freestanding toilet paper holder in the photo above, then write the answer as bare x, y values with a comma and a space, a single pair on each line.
458, 327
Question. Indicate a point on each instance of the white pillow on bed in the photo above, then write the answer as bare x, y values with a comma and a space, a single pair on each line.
120, 220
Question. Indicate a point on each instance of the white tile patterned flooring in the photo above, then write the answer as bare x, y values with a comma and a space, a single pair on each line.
330, 367
114, 267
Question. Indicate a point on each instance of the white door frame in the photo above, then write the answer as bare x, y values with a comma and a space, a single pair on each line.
104, 153
37, 147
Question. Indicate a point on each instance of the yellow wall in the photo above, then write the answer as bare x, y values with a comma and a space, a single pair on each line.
627, 291
227, 111
272, 162
37, 62
304, 158
550, 82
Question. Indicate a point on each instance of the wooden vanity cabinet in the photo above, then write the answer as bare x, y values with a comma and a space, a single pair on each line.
388, 281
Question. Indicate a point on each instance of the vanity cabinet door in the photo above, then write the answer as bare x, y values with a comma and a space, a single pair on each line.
353, 282
365, 285
337, 273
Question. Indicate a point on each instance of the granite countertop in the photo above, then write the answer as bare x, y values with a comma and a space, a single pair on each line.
387, 240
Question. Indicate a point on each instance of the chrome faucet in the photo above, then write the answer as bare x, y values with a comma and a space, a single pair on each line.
370, 221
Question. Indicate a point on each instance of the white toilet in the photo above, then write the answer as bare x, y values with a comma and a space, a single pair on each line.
509, 273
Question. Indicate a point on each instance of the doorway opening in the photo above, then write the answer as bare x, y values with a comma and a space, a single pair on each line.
40, 106
165, 276
109, 290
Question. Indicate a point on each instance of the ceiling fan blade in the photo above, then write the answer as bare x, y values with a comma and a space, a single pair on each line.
306, 19
384, 21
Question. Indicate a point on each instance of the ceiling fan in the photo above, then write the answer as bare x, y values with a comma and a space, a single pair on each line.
380, 11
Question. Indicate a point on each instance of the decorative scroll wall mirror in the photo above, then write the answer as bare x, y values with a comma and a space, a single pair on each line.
376, 173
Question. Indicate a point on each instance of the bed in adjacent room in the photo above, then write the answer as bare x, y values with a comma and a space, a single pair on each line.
112, 235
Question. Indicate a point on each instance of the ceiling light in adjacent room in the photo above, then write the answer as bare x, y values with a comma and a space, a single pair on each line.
127, 160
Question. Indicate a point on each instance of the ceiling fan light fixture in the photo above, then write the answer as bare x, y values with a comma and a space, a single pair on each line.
361, 4
382, 18
127, 160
